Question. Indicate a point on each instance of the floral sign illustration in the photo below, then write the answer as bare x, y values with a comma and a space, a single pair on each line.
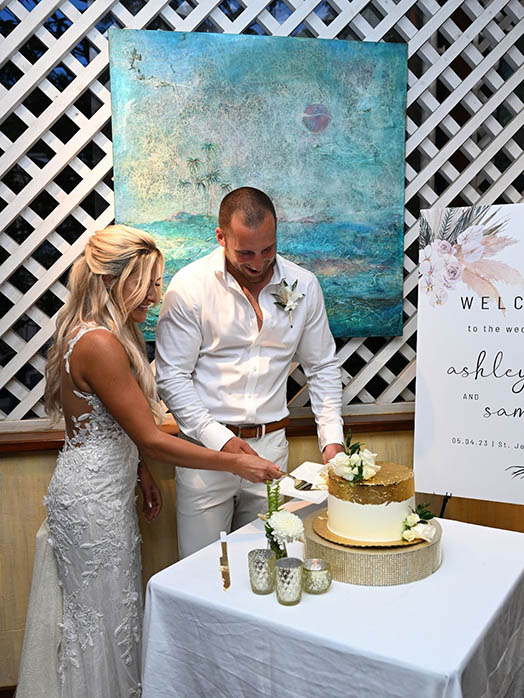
462, 246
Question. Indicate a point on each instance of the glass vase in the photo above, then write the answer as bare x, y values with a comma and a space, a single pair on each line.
275, 547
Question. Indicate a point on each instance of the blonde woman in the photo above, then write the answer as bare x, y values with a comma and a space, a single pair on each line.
99, 379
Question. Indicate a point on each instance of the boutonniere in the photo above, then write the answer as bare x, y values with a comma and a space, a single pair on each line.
287, 298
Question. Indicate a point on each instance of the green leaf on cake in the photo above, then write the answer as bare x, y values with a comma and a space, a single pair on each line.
423, 513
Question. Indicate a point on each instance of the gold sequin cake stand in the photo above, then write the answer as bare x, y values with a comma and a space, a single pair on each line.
374, 566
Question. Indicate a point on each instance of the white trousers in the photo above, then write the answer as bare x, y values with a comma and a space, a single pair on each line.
208, 501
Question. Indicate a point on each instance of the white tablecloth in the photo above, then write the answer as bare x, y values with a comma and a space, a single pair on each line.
456, 634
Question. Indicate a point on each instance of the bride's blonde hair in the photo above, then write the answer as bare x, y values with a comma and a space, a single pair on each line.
96, 285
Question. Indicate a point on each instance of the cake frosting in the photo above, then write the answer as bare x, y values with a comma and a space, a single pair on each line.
374, 510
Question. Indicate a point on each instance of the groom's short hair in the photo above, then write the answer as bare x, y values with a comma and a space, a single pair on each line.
252, 203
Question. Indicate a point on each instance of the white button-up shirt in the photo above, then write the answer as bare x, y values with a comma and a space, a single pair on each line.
214, 366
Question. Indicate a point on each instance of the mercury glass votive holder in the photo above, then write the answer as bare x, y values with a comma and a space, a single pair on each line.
289, 580
261, 570
317, 576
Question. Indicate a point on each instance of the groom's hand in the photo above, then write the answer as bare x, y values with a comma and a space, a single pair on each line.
331, 450
237, 445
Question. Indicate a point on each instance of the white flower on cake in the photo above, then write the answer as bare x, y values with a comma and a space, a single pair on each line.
416, 525
285, 526
412, 519
340, 459
368, 458
368, 472
354, 464
426, 531
355, 460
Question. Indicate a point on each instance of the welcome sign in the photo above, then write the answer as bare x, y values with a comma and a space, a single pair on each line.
469, 423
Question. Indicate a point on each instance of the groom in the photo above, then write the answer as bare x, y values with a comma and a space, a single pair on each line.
224, 347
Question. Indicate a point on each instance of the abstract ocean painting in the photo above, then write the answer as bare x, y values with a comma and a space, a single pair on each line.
318, 125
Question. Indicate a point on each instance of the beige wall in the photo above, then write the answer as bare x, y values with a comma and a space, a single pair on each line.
23, 483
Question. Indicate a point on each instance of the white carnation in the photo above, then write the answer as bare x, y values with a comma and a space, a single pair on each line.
286, 527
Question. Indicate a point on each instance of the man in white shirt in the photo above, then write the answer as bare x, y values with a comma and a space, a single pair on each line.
224, 345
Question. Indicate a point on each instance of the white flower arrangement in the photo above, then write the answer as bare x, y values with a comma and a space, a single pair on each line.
287, 298
281, 526
354, 464
416, 525
285, 526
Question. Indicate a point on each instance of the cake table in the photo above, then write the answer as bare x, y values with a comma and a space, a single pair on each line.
458, 633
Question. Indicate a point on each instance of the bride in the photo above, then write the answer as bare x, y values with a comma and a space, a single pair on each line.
99, 379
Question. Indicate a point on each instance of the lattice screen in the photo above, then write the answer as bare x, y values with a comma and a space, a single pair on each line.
464, 147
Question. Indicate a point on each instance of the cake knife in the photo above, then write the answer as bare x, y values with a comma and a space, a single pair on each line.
300, 484
224, 562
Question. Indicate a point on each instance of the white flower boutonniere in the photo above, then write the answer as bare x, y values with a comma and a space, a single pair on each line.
287, 298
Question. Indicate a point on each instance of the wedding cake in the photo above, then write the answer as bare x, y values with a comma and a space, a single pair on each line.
371, 532
371, 510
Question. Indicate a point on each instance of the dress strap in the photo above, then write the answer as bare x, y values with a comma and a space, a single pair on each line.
81, 332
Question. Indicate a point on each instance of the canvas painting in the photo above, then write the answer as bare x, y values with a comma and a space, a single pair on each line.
318, 125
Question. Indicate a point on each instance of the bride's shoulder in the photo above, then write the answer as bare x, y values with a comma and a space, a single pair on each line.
95, 341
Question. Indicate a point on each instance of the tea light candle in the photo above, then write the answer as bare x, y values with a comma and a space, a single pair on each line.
317, 576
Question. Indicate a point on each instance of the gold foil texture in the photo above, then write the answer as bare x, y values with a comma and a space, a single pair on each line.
393, 483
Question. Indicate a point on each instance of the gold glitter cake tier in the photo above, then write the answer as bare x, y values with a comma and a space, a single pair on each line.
392, 483
374, 566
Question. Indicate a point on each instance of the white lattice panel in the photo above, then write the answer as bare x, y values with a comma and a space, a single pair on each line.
464, 146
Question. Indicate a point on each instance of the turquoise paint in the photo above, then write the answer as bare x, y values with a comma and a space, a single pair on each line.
319, 125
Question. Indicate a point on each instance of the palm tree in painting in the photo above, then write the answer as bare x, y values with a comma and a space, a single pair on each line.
225, 188
211, 179
184, 185
201, 187
193, 165
209, 149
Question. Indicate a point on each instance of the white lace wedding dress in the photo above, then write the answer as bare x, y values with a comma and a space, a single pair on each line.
94, 532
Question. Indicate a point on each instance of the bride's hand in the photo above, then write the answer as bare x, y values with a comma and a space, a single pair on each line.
152, 499
257, 469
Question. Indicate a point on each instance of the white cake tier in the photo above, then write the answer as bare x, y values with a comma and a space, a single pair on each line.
378, 523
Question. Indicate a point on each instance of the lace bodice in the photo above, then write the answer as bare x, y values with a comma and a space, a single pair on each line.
97, 424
